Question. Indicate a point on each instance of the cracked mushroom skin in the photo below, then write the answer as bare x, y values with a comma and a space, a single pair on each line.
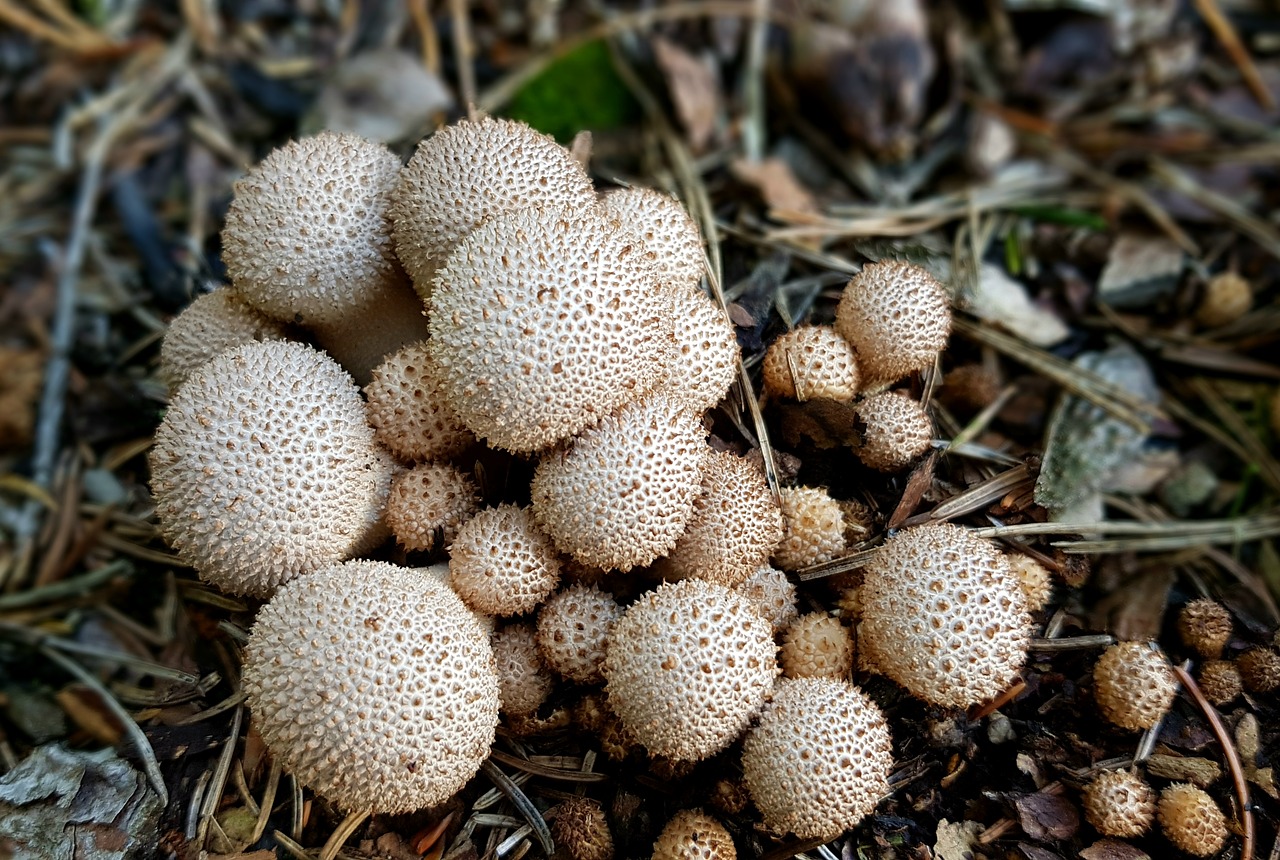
374, 685
1119, 803
523, 680
573, 627
1133, 685
1191, 820
897, 318
692, 834
812, 528
897, 431
264, 467
706, 352
428, 504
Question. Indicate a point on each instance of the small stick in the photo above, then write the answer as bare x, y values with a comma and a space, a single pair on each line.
343, 832
463, 53
1226, 32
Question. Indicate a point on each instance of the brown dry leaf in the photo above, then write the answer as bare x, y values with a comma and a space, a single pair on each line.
1113, 849
1045, 817
85, 709
264, 854
1200, 771
773, 178
694, 90
21, 373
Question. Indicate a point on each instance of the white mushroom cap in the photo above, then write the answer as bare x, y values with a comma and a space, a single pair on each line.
773, 595
408, 412
1134, 685
374, 685
816, 645
524, 682
706, 356
669, 235
896, 317
501, 563
214, 322
811, 362
687, 667
1119, 803
264, 467
573, 627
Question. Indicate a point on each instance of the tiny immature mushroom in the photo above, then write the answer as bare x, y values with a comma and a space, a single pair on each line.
811, 362
1191, 820
773, 596
669, 236
1227, 297
1204, 625
573, 627
816, 645
1036, 582
1220, 681
1133, 685
580, 827
897, 431
214, 322
501, 563
409, 414
692, 834
1260, 669
1119, 803
813, 528
428, 504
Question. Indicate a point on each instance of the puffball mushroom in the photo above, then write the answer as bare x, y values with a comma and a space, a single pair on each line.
501, 563
214, 322
543, 321
1260, 669
692, 834
773, 596
818, 761
811, 362
523, 679
1205, 626
1191, 820
896, 431
687, 667
897, 318
307, 240
264, 467
623, 492
1220, 681
573, 627
1036, 582
706, 352
669, 236
374, 685
428, 504
816, 645
1119, 803
408, 413
581, 829
1133, 685
471, 172
943, 615
813, 528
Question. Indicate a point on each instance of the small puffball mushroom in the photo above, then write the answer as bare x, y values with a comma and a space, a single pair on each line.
687, 667
523, 681
706, 352
542, 323
1260, 669
692, 834
773, 596
897, 430
1227, 297
813, 528
622, 494
1119, 803
816, 645
374, 685
428, 504
470, 172
307, 240
214, 322
1220, 681
819, 759
897, 318
943, 615
1205, 627
580, 828
1191, 820
409, 414
573, 627
1133, 685
735, 524
1035, 581
811, 362
264, 467
670, 237
501, 563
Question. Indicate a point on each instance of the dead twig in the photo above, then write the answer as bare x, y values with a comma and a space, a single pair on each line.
1225, 31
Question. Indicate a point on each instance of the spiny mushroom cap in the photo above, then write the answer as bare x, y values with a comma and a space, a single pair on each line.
1205, 627
818, 762
706, 352
374, 685
428, 504
896, 317
735, 524
943, 616
1220, 681
211, 324
811, 362
816, 645
622, 494
523, 680
1035, 581
1260, 669
581, 829
501, 563
773, 596
898, 430
1191, 820
408, 412
687, 666
1134, 685
692, 834
1119, 803
812, 528
472, 171
307, 238
573, 627
543, 322
669, 235
1226, 298
264, 467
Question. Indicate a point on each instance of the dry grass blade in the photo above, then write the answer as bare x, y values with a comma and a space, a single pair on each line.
341, 834
844, 564
73, 587
217, 785
1245, 221
522, 802
547, 771
977, 497
1203, 531
1226, 33
1259, 454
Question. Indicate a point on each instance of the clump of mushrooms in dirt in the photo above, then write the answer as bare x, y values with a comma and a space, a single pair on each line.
538, 362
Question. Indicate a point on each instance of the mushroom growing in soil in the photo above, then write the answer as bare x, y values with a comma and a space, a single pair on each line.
813, 528
706, 353
897, 318
816, 645
773, 596
1205, 626
573, 627
811, 362
669, 236
214, 322
523, 679
1133, 685
1191, 820
1119, 803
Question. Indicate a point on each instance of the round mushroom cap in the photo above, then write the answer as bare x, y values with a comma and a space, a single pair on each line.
1260, 669
692, 834
523, 680
214, 322
1227, 297
623, 493
264, 468
573, 627
706, 352
408, 412
501, 563
374, 685
816, 645
472, 171
1220, 681
687, 667
897, 318
1034, 579
543, 322
581, 829
773, 596
897, 431
1191, 820
735, 524
818, 762
1134, 685
307, 237
943, 615
811, 362
1119, 803
670, 237
1205, 627
428, 504
813, 528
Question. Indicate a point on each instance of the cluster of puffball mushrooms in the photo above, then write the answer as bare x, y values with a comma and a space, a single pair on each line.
389, 327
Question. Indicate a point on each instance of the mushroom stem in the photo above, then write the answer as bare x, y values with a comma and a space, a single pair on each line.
364, 336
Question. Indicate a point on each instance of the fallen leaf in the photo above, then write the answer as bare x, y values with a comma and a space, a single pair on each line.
1139, 270
773, 178
1045, 817
1200, 771
1003, 301
1112, 849
956, 840
694, 91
